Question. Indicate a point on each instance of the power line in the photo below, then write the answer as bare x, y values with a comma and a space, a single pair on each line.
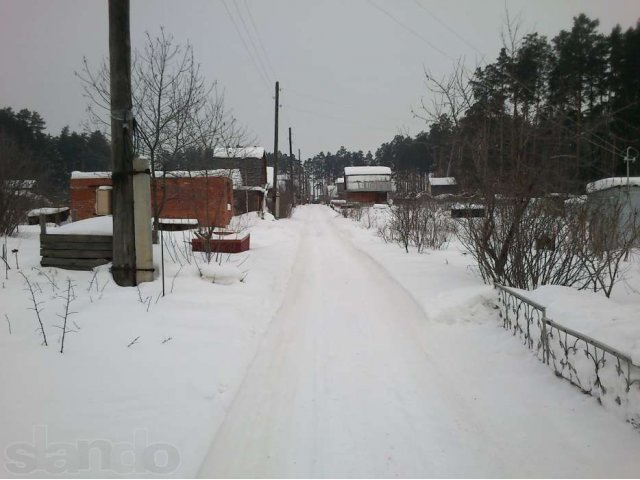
253, 45
235, 25
432, 15
608, 146
409, 29
255, 29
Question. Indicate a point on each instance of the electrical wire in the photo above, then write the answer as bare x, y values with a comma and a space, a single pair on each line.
607, 146
244, 43
256, 51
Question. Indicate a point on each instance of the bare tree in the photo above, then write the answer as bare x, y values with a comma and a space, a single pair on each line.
16, 178
175, 108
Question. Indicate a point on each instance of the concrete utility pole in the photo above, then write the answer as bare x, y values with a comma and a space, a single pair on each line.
276, 194
124, 250
293, 190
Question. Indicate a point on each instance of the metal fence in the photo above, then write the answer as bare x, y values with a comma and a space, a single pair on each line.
592, 366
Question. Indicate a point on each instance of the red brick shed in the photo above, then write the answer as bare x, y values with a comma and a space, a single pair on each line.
182, 195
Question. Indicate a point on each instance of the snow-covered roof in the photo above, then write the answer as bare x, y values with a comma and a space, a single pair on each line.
46, 211
612, 182
75, 175
439, 181
178, 221
339, 180
232, 173
367, 171
102, 225
239, 152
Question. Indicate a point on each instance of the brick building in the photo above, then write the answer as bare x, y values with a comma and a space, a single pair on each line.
251, 163
204, 196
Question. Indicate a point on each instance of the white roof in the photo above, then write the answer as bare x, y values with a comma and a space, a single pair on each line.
367, 171
339, 180
232, 173
442, 181
239, 152
611, 182
46, 211
85, 175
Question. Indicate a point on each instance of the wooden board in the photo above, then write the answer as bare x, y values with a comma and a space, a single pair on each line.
76, 245
48, 237
73, 263
76, 253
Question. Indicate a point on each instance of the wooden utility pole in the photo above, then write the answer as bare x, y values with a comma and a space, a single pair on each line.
124, 252
291, 176
276, 194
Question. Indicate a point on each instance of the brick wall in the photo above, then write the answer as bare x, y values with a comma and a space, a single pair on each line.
202, 198
82, 196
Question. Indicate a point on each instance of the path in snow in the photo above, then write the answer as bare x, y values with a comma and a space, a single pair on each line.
345, 384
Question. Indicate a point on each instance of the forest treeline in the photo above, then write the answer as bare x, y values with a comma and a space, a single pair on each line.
563, 109
47, 158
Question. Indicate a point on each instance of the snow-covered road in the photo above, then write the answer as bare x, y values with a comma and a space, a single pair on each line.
351, 380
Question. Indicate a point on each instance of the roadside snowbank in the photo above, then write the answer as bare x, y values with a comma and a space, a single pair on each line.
139, 367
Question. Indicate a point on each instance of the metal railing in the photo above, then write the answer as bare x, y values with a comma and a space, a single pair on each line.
594, 367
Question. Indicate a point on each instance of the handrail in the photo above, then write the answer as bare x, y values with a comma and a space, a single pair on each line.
511, 291
584, 337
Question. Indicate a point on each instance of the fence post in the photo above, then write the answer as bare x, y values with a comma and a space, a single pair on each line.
545, 335
43, 224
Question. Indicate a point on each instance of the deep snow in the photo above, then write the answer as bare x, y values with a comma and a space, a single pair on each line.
338, 355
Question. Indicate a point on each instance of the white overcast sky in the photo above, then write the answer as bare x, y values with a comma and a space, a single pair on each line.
350, 70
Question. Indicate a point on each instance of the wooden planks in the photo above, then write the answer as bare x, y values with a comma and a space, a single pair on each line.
75, 252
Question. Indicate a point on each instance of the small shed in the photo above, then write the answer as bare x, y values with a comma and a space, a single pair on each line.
617, 196
205, 195
442, 186
251, 164
367, 184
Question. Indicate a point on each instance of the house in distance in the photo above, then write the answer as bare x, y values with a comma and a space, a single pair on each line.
249, 190
442, 186
367, 184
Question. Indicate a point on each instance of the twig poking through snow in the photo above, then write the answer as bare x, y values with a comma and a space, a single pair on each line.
173, 280
167, 339
134, 341
8, 322
93, 279
36, 308
68, 298
52, 282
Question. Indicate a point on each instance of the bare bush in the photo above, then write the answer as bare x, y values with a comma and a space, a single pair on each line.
16, 176
420, 224
525, 242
